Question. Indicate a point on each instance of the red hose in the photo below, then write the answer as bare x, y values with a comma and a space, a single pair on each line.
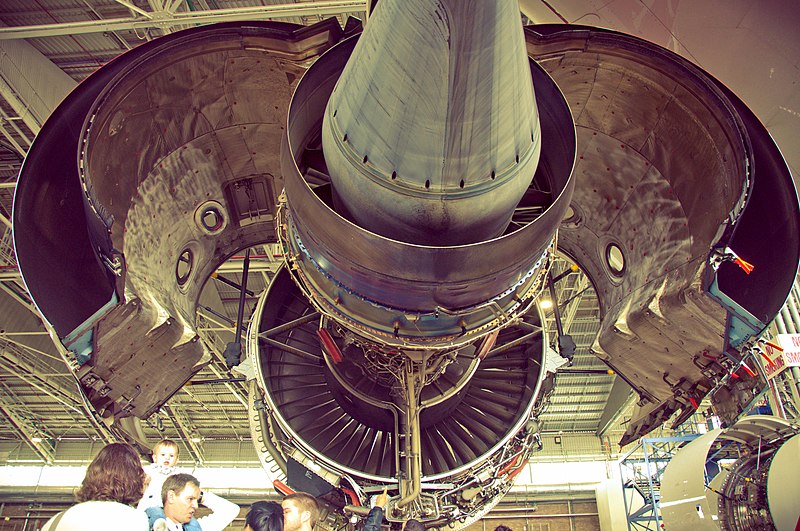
330, 346
508, 466
282, 487
353, 498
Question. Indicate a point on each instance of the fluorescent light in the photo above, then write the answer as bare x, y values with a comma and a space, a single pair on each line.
546, 304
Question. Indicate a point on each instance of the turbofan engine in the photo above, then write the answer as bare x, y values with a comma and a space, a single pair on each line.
400, 346
418, 188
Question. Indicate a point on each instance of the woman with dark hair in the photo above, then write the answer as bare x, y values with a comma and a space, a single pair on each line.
264, 516
113, 485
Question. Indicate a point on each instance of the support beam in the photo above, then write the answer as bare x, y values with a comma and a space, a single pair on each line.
87, 410
17, 297
573, 303
31, 378
31, 84
230, 380
277, 11
237, 266
55, 351
216, 345
27, 432
26, 139
159, 11
12, 140
29, 348
174, 5
135, 9
185, 434
266, 249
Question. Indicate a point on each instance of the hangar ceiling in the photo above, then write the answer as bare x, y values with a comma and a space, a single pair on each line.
753, 49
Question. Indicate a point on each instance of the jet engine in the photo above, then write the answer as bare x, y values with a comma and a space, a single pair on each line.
407, 264
741, 477
418, 177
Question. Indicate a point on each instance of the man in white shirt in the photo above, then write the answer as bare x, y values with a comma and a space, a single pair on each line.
182, 495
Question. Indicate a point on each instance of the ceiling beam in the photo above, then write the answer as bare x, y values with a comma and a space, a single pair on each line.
591, 409
88, 411
185, 433
19, 368
32, 85
16, 296
321, 8
135, 9
11, 338
215, 345
173, 6
62, 356
27, 432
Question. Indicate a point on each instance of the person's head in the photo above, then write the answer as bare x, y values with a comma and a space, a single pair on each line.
264, 516
165, 453
413, 525
115, 474
180, 494
300, 511
502, 527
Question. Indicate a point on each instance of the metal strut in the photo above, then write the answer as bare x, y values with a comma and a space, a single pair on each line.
566, 345
233, 350
410, 486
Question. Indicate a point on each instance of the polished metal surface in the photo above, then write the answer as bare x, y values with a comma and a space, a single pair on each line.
783, 489
406, 293
416, 142
686, 502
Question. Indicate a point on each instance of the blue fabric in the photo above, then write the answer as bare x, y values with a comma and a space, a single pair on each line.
154, 513
374, 519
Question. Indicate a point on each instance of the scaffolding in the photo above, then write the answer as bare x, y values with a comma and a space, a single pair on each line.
641, 470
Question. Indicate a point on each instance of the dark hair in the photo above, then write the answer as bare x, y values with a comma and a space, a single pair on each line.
265, 516
413, 525
306, 502
176, 483
502, 527
115, 474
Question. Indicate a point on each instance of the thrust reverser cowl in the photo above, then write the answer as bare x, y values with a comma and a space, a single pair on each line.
436, 113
